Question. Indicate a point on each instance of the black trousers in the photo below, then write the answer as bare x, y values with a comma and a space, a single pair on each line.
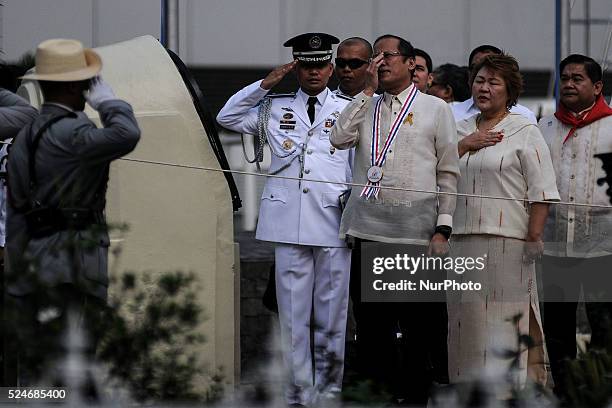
405, 367
39, 323
562, 280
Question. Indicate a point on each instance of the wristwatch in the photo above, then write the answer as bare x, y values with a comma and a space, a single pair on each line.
444, 230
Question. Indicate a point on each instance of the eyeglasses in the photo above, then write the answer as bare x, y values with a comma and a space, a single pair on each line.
352, 63
388, 54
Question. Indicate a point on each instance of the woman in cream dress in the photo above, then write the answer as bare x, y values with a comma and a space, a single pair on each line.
502, 155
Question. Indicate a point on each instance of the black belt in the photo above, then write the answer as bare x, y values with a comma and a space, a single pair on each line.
45, 221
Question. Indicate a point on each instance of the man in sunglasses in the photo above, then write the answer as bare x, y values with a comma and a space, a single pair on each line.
302, 217
353, 57
403, 139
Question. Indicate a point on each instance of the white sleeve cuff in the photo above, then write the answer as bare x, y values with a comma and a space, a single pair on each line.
258, 84
445, 219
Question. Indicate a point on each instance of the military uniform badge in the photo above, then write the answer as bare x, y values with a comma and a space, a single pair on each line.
287, 144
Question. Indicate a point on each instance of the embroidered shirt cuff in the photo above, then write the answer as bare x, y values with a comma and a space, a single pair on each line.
445, 219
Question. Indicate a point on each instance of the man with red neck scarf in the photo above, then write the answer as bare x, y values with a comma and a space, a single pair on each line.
578, 239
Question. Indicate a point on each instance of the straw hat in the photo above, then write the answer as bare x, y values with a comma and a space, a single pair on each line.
65, 60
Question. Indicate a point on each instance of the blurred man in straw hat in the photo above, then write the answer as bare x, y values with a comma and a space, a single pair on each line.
57, 242
15, 113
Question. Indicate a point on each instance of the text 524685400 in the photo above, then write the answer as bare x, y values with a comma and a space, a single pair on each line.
13, 394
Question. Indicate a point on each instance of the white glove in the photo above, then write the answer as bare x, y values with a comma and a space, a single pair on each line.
99, 91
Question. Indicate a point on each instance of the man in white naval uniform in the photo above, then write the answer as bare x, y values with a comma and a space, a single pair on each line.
300, 216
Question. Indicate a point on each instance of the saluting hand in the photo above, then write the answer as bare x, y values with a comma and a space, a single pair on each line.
277, 75
99, 91
371, 84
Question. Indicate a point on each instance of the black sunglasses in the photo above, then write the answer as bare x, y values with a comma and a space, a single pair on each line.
352, 63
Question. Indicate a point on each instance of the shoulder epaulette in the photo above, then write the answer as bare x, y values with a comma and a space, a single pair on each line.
348, 98
285, 95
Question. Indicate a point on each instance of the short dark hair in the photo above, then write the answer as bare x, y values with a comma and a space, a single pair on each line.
482, 48
420, 53
405, 48
592, 68
455, 77
356, 41
507, 66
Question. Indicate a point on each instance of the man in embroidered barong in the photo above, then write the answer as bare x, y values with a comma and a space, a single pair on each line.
403, 139
578, 239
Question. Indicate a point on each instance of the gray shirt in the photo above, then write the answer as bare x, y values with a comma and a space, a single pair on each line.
15, 113
72, 165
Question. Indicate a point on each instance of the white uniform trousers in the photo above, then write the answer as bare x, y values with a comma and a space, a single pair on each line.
311, 279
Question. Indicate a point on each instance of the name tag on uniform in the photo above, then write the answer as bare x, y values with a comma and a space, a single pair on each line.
287, 127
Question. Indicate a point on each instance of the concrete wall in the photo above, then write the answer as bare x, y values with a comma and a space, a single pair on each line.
447, 30
250, 32
94, 22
